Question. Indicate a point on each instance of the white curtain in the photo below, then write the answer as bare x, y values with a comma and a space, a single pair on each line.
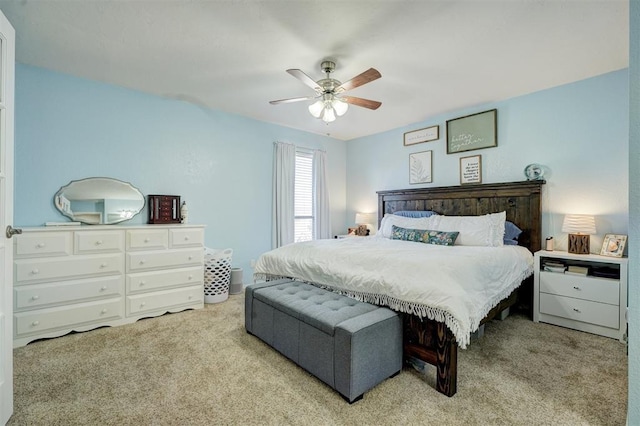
322, 214
284, 170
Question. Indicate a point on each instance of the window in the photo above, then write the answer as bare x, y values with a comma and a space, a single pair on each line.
303, 197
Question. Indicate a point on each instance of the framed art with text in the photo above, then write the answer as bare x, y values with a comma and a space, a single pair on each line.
475, 131
427, 134
471, 169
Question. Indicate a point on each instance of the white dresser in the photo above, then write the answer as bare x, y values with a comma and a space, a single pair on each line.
83, 277
591, 303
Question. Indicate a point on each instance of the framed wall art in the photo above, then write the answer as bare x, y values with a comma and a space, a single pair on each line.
475, 131
471, 169
427, 134
613, 245
420, 167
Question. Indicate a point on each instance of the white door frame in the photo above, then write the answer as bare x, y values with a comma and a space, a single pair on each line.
7, 82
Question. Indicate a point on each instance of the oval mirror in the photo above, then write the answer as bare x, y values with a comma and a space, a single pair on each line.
99, 201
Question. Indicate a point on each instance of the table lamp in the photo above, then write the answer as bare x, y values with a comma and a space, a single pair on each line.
579, 227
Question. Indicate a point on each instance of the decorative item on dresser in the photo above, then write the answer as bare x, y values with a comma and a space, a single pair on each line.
75, 278
164, 209
585, 292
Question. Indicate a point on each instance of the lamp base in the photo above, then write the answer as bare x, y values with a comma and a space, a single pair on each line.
579, 243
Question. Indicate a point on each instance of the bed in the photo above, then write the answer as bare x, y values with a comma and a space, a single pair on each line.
429, 335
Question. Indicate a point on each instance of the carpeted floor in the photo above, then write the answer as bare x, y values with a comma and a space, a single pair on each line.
201, 368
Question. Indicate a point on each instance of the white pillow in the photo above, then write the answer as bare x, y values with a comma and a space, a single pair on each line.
486, 230
387, 222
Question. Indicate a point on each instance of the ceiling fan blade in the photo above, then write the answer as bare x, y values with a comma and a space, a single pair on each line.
366, 103
357, 81
300, 75
286, 101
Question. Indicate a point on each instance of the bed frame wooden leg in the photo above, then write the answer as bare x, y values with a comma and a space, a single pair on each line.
446, 361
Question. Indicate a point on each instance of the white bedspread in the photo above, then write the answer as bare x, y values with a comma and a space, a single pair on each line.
457, 285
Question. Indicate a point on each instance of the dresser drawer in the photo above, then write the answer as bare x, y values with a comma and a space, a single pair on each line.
38, 321
43, 244
141, 261
158, 280
587, 288
49, 269
580, 310
190, 237
164, 300
93, 242
40, 295
147, 239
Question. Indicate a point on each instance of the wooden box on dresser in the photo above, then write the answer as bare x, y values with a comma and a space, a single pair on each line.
76, 278
595, 304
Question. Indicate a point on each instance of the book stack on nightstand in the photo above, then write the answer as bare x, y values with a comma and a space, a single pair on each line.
586, 292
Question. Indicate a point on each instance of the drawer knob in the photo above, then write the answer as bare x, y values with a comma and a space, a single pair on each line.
142, 283
186, 238
99, 242
143, 261
104, 311
190, 277
36, 297
190, 257
40, 245
577, 310
35, 271
35, 323
142, 304
103, 288
575, 287
146, 240
104, 265
190, 297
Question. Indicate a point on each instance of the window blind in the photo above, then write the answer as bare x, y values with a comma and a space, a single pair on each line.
303, 197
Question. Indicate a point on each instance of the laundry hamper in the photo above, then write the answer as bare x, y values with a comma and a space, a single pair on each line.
217, 274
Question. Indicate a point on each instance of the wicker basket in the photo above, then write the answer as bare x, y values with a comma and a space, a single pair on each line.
217, 274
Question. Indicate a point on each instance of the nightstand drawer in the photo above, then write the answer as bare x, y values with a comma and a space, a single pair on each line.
588, 288
580, 310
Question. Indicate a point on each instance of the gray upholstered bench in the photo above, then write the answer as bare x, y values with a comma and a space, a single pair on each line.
350, 345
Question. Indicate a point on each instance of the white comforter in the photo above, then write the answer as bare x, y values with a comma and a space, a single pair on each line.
457, 285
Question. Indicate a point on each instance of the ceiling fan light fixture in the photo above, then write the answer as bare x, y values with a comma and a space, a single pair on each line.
328, 115
339, 106
316, 108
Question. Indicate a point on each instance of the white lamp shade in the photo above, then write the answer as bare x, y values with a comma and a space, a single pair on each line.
361, 218
340, 106
579, 224
328, 115
316, 108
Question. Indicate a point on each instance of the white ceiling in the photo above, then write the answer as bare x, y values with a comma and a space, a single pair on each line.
435, 56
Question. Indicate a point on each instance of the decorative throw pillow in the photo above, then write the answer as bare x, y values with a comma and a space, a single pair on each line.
426, 236
511, 233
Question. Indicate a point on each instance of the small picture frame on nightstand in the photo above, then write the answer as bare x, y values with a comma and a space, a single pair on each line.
613, 245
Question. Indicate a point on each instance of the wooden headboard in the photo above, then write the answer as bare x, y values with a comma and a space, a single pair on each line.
521, 201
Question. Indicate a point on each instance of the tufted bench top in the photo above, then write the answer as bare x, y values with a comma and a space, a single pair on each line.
319, 308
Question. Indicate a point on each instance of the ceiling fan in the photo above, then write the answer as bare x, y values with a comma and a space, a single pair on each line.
329, 91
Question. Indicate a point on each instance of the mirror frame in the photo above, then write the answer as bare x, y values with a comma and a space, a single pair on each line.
74, 218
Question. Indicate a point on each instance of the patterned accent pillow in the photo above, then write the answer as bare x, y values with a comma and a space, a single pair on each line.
440, 238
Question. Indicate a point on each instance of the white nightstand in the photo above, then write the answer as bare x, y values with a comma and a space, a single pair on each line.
591, 303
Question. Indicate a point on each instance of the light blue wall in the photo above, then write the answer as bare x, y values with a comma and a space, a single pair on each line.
634, 214
69, 128
578, 131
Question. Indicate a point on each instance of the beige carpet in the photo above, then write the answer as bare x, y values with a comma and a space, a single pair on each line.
202, 368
